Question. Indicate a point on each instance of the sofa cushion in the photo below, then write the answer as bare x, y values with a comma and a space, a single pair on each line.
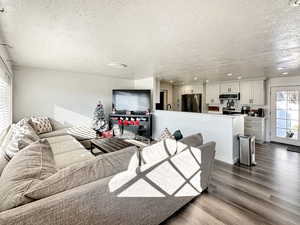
31, 165
73, 157
63, 144
193, 140
80, 133
67, 151
82, 173
41, 124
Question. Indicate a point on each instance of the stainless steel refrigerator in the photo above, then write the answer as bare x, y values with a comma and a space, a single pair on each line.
191, 103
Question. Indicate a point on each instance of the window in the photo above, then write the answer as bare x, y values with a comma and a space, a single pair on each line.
5, 100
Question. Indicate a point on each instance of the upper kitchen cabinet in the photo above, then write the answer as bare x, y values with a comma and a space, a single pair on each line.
212, 93
252, 92
192, 89
230, 87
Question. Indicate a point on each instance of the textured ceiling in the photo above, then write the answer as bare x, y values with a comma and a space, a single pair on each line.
173, 39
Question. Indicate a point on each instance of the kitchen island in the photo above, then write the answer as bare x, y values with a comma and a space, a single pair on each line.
223, 129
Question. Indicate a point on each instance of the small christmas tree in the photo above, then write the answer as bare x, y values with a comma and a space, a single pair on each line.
99, 122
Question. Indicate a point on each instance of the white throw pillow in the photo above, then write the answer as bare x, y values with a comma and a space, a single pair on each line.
41, 124
165, 134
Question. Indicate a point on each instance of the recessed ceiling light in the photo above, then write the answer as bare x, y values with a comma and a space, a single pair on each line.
195, 78
280, 68
295, 2
229, 74
284, 73
117, 65
207, 81
239, 77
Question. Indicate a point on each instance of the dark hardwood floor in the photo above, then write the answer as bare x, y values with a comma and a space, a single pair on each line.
268, 193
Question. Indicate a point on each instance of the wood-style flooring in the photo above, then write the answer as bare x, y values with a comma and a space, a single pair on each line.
266, 194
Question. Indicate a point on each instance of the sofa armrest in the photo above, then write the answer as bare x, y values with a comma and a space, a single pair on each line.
208, 152
193, 140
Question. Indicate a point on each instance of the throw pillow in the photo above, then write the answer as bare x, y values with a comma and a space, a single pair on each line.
31, 165
41, 124
165, 134
82, 173
177, 135
22, 122
23, 135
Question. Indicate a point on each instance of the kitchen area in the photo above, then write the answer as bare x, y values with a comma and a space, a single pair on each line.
245, 98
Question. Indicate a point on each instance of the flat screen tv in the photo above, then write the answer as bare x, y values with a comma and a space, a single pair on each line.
131, 100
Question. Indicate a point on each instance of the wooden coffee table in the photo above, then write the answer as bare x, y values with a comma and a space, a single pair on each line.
107, 145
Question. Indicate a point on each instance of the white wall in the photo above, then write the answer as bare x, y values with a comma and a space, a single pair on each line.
67, 97
148, 83
276, 82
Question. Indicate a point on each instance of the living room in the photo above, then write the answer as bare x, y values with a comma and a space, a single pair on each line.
149, 113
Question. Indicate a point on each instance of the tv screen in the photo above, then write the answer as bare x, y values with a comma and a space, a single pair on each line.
132, 100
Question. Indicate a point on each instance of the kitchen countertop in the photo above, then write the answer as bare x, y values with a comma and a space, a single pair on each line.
234, 115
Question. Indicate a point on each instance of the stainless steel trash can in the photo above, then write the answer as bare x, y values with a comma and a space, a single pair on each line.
247, 150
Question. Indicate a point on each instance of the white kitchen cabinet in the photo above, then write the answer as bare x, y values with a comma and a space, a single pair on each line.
212, 93
230, 87
258, 92
252, 92
255, 126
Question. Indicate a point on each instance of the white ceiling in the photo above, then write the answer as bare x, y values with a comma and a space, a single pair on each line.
172, 39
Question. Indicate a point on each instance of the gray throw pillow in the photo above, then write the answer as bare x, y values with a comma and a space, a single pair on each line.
31, 165
82, 173
23, 135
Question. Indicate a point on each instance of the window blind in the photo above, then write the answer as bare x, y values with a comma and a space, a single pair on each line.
5, 100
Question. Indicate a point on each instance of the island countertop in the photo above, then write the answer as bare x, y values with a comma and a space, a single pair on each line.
223, 129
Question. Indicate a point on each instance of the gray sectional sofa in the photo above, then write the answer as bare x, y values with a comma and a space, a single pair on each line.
112, 188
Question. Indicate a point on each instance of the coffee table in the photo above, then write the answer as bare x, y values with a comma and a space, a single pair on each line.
107, 145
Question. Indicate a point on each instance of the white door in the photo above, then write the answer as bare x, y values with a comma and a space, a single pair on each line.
285, 115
